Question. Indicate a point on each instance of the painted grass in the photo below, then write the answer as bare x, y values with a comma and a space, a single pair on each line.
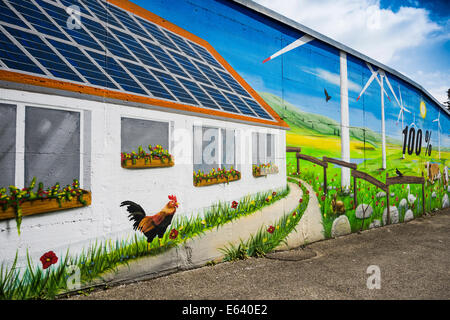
35, 283
367, 193
265, 241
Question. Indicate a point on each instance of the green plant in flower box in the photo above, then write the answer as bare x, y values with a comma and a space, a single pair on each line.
17, 197
156, 153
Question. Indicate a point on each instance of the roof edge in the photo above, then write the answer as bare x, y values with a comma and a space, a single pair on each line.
298, 26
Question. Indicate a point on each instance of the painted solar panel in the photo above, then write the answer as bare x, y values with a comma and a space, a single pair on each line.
112, 48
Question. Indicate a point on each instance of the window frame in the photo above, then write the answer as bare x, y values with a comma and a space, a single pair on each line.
19, 180
219, 147
171, 126
266, 146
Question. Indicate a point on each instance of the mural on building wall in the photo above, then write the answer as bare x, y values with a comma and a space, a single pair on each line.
337, 106
367, 137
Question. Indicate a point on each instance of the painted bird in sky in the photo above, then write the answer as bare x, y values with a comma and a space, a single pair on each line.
155, 225
398, 172
327, 96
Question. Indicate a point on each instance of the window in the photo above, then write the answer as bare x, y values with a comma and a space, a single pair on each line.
52, 146
214, 148
138, 132
48, 144
263, 151
7, 145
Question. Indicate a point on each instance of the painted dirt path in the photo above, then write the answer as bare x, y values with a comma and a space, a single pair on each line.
196, 252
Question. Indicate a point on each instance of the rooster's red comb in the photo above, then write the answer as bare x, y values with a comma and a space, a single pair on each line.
172, 197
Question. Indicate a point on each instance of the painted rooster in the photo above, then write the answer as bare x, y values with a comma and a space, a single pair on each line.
155, 225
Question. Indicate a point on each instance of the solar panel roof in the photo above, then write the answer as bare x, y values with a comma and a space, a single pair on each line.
114, 49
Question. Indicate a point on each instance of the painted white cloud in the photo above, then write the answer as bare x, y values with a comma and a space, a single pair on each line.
361, 24
381, 34
333, 78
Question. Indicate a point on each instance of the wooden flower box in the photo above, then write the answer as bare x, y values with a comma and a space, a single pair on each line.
263, 172
141, 164
209, 182
46, 205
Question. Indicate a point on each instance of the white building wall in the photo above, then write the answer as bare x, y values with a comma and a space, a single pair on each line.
110, 184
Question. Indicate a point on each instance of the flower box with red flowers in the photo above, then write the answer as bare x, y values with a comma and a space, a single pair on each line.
156, 158
26, 201
263, 170
216, 176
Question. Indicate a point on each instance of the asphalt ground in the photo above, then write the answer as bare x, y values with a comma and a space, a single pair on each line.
410, 260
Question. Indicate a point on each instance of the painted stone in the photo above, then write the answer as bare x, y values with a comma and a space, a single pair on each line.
393, 215
445, 202
381, 194
411, 199
359, 213
375, 224
403, 205
409, 215
340, 227
392, 194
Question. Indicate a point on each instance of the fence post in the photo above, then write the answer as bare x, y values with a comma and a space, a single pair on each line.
423, 195
388, 216
325, 188
355, 190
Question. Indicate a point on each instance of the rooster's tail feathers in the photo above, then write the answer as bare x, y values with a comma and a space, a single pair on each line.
137, 213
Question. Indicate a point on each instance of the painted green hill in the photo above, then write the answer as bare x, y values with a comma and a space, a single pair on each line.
314, 124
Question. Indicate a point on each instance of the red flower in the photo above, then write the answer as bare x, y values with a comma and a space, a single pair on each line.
317, 194
173, 234
301, 200
295, 212
299, 184
307, 191
382, 203
323, 198
48, 259
267, 200
274, 194
376, 203
271, 229
234, 204
320, 189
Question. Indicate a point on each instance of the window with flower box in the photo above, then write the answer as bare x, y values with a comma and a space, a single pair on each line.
214, 156
263, 154
145, 143
41, 160
7, 144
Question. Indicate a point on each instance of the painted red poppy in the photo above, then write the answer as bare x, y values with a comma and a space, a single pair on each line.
294, 214
274, 194
301, 200
173, 234
271, 229
234, 204
323, 198
48, 259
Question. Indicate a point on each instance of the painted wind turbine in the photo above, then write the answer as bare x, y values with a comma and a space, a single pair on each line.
439, 132
413, 124
402, 111
297, 43
380, 81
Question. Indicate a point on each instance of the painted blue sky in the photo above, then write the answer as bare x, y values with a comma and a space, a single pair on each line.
246, 40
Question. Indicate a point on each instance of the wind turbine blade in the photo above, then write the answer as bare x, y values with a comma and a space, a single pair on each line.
406, 110
297, 43
374, 74
379, 82
399, 114
390, 87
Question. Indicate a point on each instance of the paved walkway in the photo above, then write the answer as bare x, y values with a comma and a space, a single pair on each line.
413, 259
